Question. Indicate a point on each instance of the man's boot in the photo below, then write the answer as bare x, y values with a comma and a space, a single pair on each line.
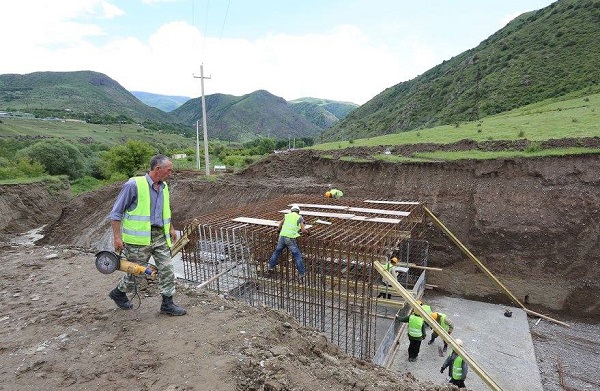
170, 308
120, 299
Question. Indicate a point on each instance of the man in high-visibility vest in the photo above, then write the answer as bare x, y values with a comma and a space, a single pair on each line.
142, 227
395, 271
334, 193
416, 334
457, 368
289, 229
444, 323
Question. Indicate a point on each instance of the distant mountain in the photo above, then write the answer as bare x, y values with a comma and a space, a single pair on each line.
539, 55
247, 117
81, 91
165, 103
322, 112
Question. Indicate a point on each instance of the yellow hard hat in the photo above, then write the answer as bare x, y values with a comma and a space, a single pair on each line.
434, 315
328, 194
394, 260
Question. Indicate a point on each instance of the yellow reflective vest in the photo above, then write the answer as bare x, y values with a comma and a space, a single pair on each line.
290, 226
136, 223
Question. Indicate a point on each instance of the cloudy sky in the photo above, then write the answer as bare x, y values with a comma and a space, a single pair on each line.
347, 50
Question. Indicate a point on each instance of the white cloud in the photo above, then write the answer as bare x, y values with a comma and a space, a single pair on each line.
340, 64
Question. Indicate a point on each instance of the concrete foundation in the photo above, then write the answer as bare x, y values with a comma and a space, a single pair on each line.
501, 345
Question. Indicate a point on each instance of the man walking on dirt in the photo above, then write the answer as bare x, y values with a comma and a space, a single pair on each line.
141, 224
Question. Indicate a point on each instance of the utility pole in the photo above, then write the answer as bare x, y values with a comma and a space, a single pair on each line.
197, 147
201, 77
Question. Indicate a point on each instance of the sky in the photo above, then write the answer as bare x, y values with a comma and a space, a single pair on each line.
344, 50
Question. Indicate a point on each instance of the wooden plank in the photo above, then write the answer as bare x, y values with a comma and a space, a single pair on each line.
380, 211
265, 222
393, 202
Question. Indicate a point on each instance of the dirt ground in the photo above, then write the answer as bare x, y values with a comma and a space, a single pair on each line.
535, 223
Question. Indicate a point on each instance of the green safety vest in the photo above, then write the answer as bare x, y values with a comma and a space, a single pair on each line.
426, 308
415, 326
457, 368
136, 223
290, 226
335, 193
443, 324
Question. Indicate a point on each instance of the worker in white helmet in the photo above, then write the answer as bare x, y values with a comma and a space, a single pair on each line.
457, 367
289, 229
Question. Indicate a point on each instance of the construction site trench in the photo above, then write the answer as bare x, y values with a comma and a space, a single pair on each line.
534, 223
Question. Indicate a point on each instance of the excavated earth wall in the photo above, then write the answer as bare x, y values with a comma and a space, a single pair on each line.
533, 222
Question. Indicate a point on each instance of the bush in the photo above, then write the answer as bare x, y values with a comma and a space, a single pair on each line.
57, 156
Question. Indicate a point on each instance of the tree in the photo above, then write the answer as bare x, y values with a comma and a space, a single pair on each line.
128, 158
58, 157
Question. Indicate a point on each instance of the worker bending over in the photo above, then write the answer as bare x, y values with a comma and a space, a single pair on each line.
445, 323
289, 229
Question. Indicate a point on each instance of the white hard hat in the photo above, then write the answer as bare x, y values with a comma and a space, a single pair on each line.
295, 208
459, 342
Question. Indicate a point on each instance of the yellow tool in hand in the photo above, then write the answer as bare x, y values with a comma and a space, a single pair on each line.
108, 261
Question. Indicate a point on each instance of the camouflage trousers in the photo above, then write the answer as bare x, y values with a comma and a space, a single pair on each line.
161, 253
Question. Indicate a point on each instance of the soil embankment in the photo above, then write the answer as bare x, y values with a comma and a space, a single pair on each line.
533, 222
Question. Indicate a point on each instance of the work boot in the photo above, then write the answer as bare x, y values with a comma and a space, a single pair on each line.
430, 342
170, 308
120, 299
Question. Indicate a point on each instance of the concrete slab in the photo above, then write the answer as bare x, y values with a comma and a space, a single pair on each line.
502, 346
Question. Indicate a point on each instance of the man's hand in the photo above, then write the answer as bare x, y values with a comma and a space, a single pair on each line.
119, 245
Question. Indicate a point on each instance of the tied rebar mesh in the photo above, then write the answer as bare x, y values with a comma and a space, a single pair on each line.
342, 295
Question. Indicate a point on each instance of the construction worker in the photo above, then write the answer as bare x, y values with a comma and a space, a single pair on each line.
334, 193
445, 323
426, 307
394, 270
289, 228
142, 226
458, 368
416, 334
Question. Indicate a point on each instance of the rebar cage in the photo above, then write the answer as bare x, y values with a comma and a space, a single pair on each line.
342, 295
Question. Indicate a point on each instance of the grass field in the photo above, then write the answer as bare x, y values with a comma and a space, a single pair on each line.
576, 117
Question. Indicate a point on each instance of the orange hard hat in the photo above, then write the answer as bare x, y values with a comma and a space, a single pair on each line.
394, 260
328, 194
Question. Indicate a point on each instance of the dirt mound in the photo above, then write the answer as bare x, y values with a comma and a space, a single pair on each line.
61, 331
533, 222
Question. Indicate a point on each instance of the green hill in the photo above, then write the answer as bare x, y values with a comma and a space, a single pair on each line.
247, 117
83, 92
539, 55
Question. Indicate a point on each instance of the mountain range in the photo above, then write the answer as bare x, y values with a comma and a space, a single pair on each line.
538, 55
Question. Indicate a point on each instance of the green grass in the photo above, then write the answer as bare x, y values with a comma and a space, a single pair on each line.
77, 131
576, 117
22, 181
490, 155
